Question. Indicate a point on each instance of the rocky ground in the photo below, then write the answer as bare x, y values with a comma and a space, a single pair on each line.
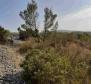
9, 65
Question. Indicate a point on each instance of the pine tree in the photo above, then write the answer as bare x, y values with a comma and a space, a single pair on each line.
30, 16
49, 21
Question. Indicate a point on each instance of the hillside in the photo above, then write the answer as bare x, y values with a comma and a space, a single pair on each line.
73, 48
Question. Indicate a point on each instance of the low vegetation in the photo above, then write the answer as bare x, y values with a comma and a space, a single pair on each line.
3, 35
64, 61
50, 56
53, 57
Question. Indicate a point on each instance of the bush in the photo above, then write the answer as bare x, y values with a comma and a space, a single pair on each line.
3, 35
45, 67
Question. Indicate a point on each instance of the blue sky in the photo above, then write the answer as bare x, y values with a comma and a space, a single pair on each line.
72, 14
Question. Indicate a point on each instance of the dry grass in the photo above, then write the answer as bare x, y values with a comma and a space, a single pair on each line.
72, 49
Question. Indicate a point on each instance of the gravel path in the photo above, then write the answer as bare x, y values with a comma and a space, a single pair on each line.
9, 62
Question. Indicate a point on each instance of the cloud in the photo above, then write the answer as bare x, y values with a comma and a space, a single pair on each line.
79, 21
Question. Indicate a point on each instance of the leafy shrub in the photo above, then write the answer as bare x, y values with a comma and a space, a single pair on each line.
45, 67
3, 35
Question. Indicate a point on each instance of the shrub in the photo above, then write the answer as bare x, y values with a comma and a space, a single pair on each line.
3, 35
45, 67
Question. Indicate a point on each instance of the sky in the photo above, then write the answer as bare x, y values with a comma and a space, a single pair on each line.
72, 14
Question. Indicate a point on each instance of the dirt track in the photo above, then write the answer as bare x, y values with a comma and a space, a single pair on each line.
9, 61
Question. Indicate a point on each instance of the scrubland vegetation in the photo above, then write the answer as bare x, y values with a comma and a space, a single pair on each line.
53, 57
50, 56
3, 35
64, 60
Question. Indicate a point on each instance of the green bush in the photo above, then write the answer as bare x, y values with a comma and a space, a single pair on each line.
45, 67
3, 35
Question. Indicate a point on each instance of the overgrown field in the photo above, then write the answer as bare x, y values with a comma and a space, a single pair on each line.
61, 59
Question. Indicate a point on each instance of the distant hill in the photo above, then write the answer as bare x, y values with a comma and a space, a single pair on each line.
78, 32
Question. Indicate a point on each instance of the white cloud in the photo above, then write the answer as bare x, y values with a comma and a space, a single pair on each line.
80, 21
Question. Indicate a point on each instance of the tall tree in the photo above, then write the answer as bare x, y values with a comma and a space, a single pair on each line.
30, 15
49, 20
